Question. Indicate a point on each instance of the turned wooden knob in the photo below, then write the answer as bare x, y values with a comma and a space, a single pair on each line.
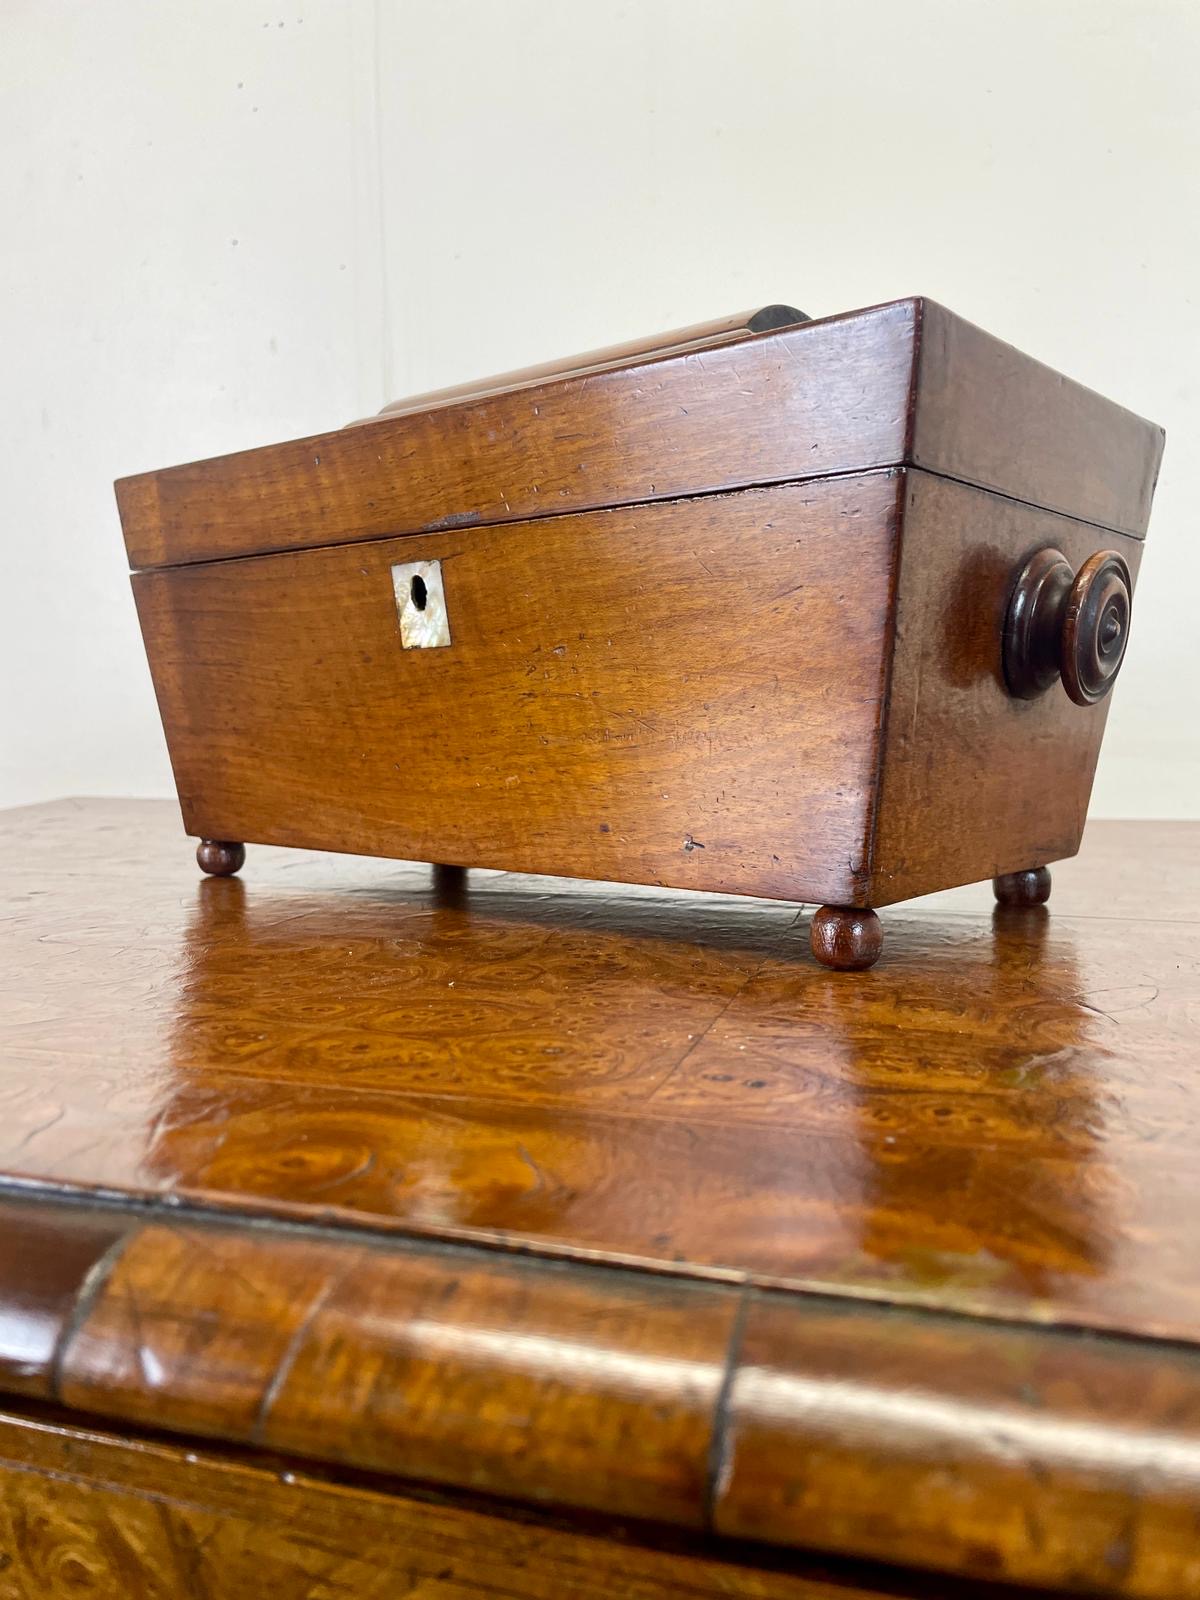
1067, 625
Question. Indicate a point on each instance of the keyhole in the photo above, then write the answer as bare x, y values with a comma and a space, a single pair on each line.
420, 594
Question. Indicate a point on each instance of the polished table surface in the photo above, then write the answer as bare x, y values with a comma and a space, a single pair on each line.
737, 1211
1005, 1117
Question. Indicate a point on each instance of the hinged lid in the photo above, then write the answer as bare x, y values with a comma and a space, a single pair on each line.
724, 406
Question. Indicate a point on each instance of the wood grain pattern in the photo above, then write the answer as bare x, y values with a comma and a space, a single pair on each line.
588, 1389
989, 415
83, 1510
975, 782
851, 1430
841, 394
829, 396
611, 1203
982, 1450
640, 676
699, 695
630, 694
628, 1074
45, 1263
700, 336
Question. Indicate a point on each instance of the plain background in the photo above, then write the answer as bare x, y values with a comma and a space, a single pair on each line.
228, 223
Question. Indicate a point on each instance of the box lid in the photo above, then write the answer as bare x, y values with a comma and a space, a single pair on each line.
726, 406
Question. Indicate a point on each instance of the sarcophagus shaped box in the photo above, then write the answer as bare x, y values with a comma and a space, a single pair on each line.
818, 610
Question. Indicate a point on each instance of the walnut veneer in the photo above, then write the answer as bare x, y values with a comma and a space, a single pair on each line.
507, 1236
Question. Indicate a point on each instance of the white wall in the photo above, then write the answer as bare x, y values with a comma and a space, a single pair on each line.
227, 223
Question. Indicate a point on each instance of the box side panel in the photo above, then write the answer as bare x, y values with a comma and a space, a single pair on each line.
975, 782
821, 398
686, 694
991, 416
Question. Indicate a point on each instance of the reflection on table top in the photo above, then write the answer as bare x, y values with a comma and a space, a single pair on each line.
1004, 1116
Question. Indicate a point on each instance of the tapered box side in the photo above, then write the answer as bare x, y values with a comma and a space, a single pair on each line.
975, 782
687, 693
989, 415
724, 612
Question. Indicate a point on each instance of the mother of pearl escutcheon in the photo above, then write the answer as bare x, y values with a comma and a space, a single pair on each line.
421, 604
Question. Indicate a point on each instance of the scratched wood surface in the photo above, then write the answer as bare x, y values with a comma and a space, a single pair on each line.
990, 415
88, 1510
648, 1076
756, 410
903, 382
699, 337
628, 694
975, 782
696, 695
721, 1413
611, 1203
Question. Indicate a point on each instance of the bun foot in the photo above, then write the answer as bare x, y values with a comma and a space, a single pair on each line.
449, 886
1030, 888
220, 858
846, 938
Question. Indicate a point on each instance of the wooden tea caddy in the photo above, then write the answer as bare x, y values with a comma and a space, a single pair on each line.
825, 611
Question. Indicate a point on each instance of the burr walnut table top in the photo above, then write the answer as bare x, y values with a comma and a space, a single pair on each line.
610, 1200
